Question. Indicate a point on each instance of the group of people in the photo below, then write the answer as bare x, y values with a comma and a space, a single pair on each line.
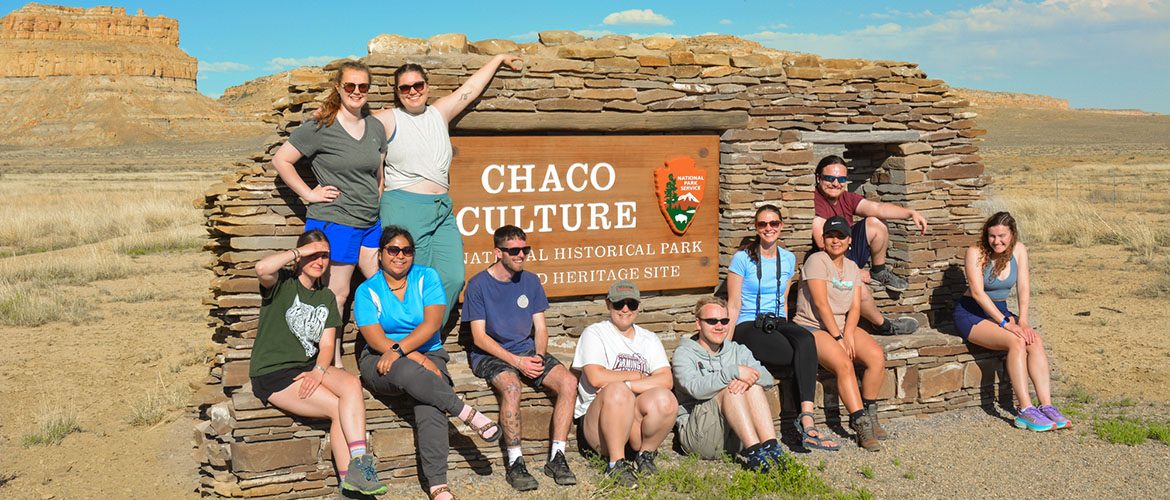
381, 204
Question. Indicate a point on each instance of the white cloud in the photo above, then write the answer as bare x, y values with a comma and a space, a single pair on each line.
224, 66
636, 16
281, 63
725, 22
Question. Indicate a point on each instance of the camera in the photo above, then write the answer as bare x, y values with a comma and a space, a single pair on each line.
768, 322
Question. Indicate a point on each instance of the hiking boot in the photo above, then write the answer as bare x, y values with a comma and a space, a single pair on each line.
863, 427
1030, 418
558, 469
622, 473
757, 460
773, 451
1058, 419
363, 476
878, 431
518, 476
902, 325
645, 462
888, 279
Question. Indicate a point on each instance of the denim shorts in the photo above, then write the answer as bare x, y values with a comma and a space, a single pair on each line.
490, 366
344, 241
968, 314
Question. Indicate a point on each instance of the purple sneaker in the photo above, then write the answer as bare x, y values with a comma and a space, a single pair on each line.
1058, 419
1030, 418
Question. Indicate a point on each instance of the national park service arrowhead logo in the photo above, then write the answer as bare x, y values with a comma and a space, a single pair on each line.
679, 185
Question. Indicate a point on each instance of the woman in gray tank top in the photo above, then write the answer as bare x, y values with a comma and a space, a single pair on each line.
982, 317
418, 159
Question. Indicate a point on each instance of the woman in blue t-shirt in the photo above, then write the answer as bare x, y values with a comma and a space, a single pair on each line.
757, 289
993, 266
399, 312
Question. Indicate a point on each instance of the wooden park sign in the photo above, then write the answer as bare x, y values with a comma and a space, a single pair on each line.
596, 208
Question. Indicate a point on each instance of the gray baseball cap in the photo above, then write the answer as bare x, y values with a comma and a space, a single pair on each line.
624, 289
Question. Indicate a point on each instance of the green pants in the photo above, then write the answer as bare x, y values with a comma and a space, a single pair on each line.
437, 242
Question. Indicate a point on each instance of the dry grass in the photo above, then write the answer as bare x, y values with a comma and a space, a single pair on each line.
32, 291
1047, 220
52, 427
157, 404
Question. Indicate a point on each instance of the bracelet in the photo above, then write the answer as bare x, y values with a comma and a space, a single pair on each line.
324, 369
628, 384
1003, 323
296, 254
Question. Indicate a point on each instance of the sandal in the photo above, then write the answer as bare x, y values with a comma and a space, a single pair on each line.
807, 440
439, 491
482, 430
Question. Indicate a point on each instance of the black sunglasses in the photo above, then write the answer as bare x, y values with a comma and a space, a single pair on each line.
417, 86
394, 250
716, 321
362, 88
631, 304
514, 251
760, 224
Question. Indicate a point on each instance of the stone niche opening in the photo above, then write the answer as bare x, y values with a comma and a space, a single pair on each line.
910, 136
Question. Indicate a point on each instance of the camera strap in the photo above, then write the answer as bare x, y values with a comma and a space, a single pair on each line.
760, 279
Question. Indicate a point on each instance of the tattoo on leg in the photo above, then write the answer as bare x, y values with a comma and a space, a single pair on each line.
510, 415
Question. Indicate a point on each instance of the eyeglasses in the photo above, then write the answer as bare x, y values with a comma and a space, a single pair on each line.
631, 304
416, 86
841, 179
362, 88
394, 250
760, 224
514, 251
716, 321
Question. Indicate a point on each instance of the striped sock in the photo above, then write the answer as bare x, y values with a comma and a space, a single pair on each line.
357, 448
341, 474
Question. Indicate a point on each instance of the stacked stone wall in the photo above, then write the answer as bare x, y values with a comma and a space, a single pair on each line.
910, 139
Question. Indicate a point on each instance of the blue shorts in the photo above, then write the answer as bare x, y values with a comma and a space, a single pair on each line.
344, 241
968, 314
858, 251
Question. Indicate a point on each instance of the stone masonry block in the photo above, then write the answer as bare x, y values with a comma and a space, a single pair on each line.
273, 455
940, 380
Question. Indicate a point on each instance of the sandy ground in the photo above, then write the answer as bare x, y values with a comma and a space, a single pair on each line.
147, 329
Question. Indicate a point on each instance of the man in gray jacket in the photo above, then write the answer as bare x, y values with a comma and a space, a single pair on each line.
720, 389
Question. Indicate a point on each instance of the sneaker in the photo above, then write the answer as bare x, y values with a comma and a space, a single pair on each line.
888, 279
1058, 419
878, 431
757, 460
1032, 419
518, 476
645, 462
774, 452
558, 469
863, 427
622, 472
902, 325
363, 476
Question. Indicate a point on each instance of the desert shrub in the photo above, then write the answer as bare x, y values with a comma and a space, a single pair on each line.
154, 406
689, 479
23, 305
52, 428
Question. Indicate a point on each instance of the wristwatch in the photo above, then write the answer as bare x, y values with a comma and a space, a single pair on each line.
838, 337
396, 348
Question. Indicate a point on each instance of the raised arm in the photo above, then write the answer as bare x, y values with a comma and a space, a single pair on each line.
818, 228
268, 268
454, 103
284, 161
890, 211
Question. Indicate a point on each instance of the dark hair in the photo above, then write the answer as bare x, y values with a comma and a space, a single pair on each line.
307, 237
390, 232
402, 70
333, 100
1000, 261
752, 245
508, 232
824, 163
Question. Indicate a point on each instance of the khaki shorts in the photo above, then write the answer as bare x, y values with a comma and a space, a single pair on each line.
706, 433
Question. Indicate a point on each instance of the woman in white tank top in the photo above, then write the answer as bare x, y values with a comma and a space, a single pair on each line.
418, 158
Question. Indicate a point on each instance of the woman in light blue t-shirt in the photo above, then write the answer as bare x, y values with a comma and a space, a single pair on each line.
399, 312
758, 281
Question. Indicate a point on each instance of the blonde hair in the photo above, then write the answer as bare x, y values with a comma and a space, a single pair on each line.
706, 301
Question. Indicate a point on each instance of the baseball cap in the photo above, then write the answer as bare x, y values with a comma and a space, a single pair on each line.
624, 289
836, 224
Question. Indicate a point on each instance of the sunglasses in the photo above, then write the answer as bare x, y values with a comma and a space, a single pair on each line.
416, 86
362, 88
760, 224
841, 179
716, 321
514, 251
631, 304
394, 250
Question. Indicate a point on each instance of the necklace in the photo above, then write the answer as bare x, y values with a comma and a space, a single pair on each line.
399, 287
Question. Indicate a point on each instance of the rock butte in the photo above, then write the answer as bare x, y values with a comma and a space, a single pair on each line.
88, 77
910, 139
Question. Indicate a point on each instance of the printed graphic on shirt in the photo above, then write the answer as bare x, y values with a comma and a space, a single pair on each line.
522, 301
840, 284
307, 323
630, 362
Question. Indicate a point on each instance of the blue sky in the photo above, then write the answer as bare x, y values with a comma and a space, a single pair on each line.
1096, 53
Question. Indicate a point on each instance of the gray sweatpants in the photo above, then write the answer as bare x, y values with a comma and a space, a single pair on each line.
433, 396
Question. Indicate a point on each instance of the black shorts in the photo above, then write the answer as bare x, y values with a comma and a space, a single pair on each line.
490, 366
264, 386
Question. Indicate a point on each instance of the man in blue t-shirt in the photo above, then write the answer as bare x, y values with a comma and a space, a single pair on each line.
505, 307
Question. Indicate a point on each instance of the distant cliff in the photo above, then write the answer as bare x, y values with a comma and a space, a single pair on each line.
988, 99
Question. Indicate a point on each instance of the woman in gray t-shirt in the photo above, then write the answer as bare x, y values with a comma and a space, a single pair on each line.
345, 146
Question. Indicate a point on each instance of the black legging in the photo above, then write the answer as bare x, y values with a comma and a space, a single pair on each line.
788, 345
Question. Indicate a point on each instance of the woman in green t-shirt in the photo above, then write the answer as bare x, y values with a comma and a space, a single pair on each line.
293, 353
